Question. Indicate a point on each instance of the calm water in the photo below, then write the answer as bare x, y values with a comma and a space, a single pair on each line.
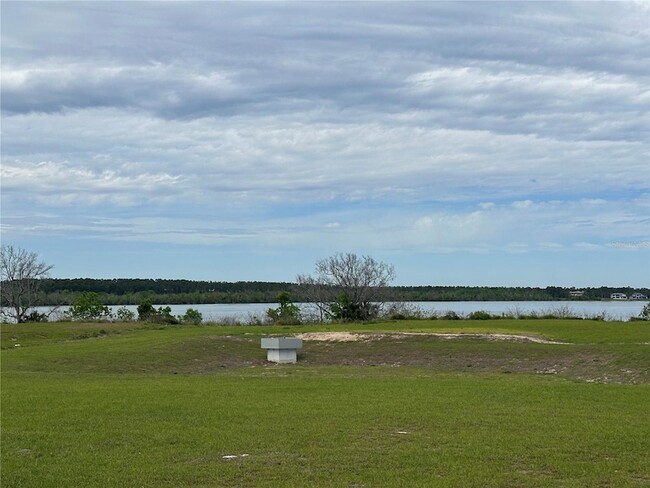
244, 312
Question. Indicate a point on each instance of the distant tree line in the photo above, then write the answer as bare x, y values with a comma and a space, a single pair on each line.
133, 291
343, 288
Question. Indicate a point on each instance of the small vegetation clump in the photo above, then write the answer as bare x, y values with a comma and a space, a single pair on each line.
481, 315
35, 316
451, 315
645, 313
88, 308
288, 313
123, 314
162, 315
192, 316
403, 311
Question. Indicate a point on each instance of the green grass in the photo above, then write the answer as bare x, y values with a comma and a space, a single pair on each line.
571, 330
142, 406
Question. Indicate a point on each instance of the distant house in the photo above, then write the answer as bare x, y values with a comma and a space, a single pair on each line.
618, 296
638, 296
576, 293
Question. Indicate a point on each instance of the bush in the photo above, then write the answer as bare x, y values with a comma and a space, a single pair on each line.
36, 317
347, 310
403, 311
601, 316
229, 320
560, 312
287, 313
645, 313
253, 319
192, 316
163, 315
88, 307
480, 315
451, 315
145, 310
123, 314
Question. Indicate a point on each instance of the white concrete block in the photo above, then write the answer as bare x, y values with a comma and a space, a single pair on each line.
281, 350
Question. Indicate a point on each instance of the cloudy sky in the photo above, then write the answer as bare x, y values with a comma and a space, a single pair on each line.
466, 143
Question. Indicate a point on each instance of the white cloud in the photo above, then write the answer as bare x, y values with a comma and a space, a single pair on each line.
630, 245
276, 159
155, 86
443, 127
62, 184
522, 204
532, 226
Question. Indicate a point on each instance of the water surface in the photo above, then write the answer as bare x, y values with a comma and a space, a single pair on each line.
249, 312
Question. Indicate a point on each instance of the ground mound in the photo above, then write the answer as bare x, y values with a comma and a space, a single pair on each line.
373, 336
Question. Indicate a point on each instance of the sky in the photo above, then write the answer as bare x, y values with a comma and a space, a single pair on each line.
466, 143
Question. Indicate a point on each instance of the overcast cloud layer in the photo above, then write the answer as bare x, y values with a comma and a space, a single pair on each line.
486, 143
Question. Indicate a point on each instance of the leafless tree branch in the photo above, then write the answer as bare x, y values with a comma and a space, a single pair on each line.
20, 275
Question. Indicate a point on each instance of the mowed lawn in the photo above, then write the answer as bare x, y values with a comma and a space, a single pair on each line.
130, 405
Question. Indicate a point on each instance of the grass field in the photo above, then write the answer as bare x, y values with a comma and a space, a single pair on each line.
132, 405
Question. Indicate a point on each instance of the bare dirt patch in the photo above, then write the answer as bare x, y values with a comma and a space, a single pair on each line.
373, 336
469, 352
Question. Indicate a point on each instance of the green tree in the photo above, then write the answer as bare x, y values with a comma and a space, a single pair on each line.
145, 310
287, 313
88, 307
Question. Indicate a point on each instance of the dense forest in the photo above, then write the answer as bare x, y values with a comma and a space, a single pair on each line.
132, 291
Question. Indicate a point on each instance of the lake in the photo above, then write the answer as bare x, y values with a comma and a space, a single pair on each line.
245, 312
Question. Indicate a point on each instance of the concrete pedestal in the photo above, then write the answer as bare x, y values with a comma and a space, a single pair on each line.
281, 349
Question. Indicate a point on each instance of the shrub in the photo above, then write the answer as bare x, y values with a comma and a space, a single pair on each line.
36, 317
229, 320
163, 315
403, 311
479, 315
346, 310
192, 316
88, 307
645, 313
253, 319
560, 312
123, 314
601, 316
145, 310
288, 313
451, 315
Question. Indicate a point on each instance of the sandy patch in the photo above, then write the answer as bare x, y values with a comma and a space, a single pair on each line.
336, 337
368, 336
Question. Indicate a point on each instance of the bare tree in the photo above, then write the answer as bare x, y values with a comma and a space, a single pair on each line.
20, 275
318, 296
358, 282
